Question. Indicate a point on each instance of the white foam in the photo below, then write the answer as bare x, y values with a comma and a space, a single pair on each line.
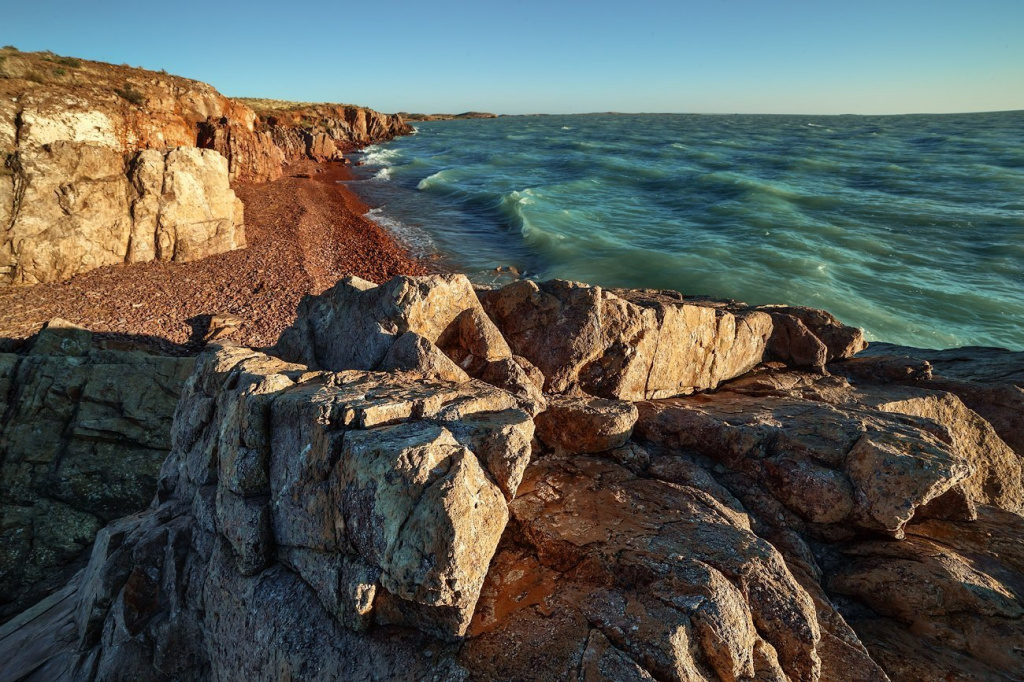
383, 174
418, 241
379, 156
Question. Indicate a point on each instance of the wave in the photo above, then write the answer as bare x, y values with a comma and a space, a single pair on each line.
383, 174
858, 221
438, 179
377, 155
417, 240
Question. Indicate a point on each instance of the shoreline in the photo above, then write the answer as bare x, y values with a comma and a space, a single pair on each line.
304, 231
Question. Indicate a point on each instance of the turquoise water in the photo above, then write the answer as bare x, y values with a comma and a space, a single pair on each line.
911, 227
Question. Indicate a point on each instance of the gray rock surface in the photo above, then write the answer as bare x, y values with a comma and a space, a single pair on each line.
83, 433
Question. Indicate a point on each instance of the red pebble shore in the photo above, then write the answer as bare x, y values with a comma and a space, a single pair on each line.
303, 233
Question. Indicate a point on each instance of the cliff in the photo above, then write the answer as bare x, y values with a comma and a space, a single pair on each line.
105, 164
557, 481
323, 132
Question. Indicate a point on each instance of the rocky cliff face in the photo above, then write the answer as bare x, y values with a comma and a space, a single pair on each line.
84, 430
555, 481
322, 132
99, 166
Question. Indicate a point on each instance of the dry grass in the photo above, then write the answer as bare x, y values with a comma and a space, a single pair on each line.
269, 106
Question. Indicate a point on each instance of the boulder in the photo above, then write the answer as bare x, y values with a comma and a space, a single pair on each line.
402, 324
805, 337
354, 324
412, 352
631, 346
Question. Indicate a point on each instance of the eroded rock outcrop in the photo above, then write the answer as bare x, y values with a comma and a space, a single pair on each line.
99, 164
83, 433
371, 507
324, 132
637, 344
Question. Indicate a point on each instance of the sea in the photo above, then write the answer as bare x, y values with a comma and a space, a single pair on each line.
910, 227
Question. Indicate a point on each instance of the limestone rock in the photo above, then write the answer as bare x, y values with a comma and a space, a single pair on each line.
103, 167
703, 597
472, 341
77, 206
944, 603
350, 480
354, 324
324, 132
828, 465
185, 210
380, 515
502, 442
574, 426
252, 155
806, 337
990, 381
401, 325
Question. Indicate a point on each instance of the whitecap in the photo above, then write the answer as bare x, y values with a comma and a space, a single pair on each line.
379, 156
435, 180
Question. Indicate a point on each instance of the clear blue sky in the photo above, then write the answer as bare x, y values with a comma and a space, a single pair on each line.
519, 56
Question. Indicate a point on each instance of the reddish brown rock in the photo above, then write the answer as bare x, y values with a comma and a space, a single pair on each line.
575, 426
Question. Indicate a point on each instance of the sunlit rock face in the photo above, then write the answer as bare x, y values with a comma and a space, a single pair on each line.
371, 500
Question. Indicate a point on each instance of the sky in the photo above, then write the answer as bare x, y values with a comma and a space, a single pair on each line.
536, 56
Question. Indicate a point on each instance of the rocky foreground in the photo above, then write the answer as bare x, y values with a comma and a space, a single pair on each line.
556, 481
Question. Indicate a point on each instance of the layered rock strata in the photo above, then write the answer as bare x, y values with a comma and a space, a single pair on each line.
83, 432
699, 493
100, 164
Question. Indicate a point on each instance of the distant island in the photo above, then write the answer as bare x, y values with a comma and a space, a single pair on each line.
445, 117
